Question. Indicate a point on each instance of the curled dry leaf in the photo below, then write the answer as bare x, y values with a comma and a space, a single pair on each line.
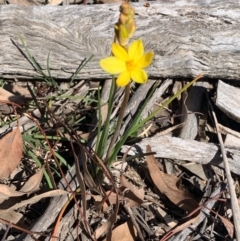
167, 184
53, 193
33, 183
10, 152
9, 191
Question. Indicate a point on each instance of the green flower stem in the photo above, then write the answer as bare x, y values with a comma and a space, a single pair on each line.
119, 122
104, 136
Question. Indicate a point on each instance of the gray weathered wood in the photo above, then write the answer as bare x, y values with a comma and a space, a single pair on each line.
192, 104
188, 37
189, 150
228, 100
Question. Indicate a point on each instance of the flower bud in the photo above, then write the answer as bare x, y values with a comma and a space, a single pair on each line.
125, 27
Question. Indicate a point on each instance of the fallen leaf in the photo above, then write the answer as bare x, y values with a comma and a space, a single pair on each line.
53, 193
99, 204
181, 227
30, 186
10, 152
18, 90
104, 228
33, 183
6, 96
228, 225
124, 232
9, 191
167, 184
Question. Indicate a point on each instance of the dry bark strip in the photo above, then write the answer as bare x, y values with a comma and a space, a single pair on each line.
188, 38
189, 150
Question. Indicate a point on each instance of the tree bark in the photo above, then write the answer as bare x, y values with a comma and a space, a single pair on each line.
188, 38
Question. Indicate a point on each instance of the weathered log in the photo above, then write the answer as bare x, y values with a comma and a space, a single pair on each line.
188, 150
188, 38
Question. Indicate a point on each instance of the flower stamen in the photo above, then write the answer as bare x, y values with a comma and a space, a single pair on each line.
130, 65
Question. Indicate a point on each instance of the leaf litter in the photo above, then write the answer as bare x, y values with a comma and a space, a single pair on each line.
158, 200
161, 185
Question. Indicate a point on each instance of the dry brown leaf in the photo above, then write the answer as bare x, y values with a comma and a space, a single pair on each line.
181, 227
167, 184
6, 192
124, 232
18, 90
53, 193
30, 186
10, 152
112, 198
33, 183
228, 225
135, 195
100, 206
6, 96
102, 230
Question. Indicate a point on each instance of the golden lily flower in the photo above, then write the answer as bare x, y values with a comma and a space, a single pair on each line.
128, 63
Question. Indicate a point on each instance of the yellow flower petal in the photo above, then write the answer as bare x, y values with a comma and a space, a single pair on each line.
139, 76
136, 50
145, 60
119, 52
123, 79
113, 65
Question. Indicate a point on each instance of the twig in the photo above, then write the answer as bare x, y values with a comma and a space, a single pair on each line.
129, 211
234, 202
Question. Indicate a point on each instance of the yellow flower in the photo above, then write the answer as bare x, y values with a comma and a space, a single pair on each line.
128, 63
